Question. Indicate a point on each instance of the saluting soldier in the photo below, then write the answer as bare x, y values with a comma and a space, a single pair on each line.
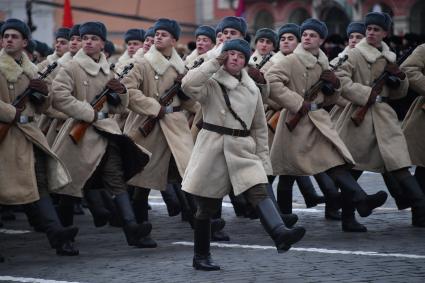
414, 122
29, 170
234, 132
378, 143
103, 155
170, 138
313, 146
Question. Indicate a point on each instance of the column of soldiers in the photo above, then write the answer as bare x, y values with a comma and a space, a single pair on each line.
226, 121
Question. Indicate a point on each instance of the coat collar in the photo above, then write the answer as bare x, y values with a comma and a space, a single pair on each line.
192, 56
309, 60
65, 58
52, 58
11, 70
89, 65
277, 57
124, 57
160, 64
230, 82
139, 54
255, 58
371, 54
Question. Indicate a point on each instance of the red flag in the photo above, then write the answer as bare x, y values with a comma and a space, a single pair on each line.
240, 10
67, 15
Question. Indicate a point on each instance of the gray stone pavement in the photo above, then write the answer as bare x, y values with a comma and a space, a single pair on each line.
105, 257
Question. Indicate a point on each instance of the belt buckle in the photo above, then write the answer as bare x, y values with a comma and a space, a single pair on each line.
379, 99
23, 119
314, 106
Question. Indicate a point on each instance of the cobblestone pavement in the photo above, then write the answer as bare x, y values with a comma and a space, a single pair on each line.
392, 250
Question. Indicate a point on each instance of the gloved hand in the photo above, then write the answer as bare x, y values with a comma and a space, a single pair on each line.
39, 86
116, 86
329, 76
256, 75
222, 58
394, 70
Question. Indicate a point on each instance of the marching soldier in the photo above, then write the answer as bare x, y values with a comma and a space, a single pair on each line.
355, 32
382, 147
134, 40
29, 169
312, 146
205, 41
61, 47
236, 159
102, 155
170, 138
149, 41
265, 44
413, 124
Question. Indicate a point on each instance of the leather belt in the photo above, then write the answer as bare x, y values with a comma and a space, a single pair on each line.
225, 130
24, 119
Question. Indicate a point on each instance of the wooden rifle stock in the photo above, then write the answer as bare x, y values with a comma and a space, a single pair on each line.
79, 129
272, 122
22, 99
310, 95
165, 100
359, 115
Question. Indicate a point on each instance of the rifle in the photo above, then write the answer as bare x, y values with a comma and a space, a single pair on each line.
377, 85
263, 62
79, 129
311, 94
21, 100
165, 100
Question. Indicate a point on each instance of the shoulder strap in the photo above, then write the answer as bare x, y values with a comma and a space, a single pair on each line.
229, 106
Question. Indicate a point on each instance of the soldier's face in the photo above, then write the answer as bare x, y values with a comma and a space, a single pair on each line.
149, 40
74, 44
231, 33
133, 46
163, 40
354, 38
264, 46
61, 46
92, 44
203, 44
235, 62
375, 34
13, 42
288, 43
311, 40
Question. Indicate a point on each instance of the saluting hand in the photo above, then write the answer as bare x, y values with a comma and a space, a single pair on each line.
222, 58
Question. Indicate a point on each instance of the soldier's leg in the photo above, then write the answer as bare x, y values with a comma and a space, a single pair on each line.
60, 238
308, 191
171, 201
289, 219
332, 196
206, 208
420, 176
363, 202
66, 209
414, 194
271, 220
239, 204
141, 211
7, 213
284, 193
114, 182
396, 191
217, 220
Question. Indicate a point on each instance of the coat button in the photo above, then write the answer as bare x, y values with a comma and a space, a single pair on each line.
11, 86
156, 77
85, 83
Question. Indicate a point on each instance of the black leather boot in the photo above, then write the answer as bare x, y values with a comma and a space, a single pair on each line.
34, 218
420, 177
7, 213
396, 191
284, 193
332, 196
239, 204
348, 218
96, 205
308, 191
115, 219
202, 257
59, 238
289, 219
187, 205
417, 199
220, 235
140, 206
363, 202
274, 226
65, 209
171, 201
133, 232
